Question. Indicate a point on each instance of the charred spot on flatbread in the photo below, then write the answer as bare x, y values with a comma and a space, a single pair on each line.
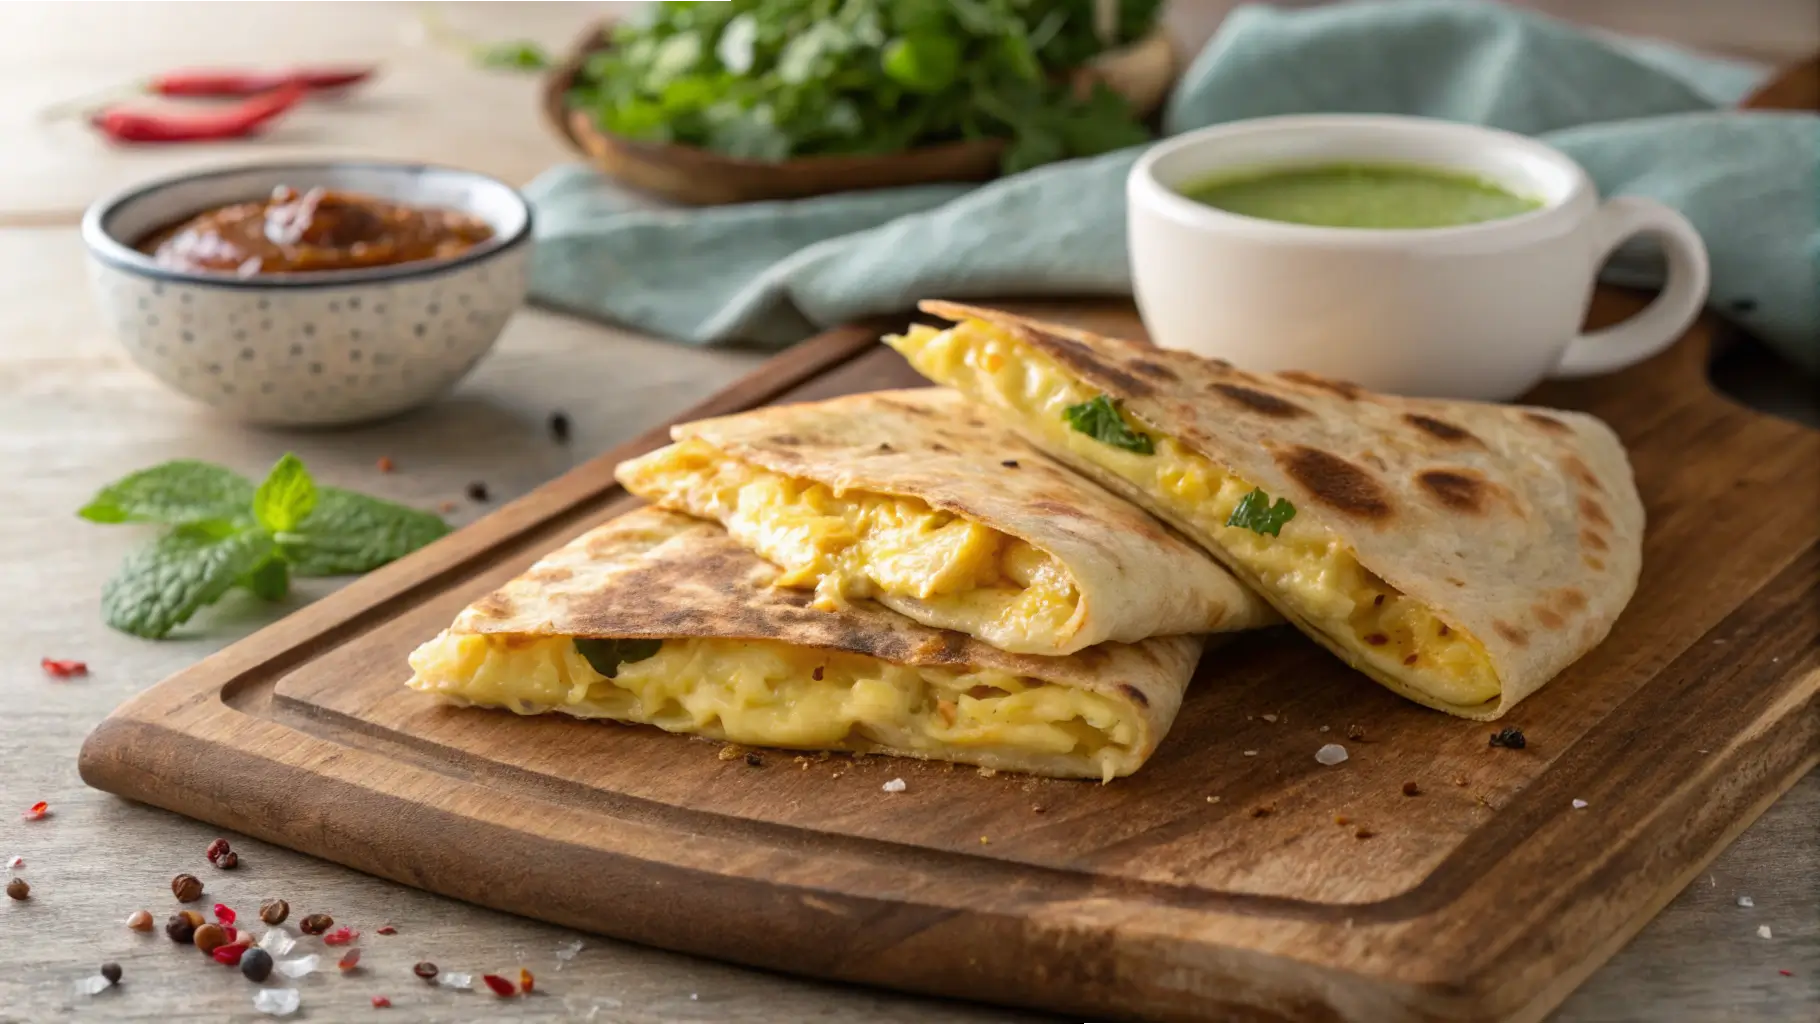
1136, 695
1547, 616
784, 440
1571, 598
1335, 482
1088, 363
1510, 632
1582, 474
1154, 369
1548, 423
1344, 388
494, 606
549, 574
1441, 430
1261, 402
1593, 541
1460, 490
1593, 512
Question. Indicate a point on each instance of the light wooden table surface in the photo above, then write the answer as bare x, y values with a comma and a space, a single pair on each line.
74, 414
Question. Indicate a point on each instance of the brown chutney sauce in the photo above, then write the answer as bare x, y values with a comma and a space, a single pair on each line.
302, 232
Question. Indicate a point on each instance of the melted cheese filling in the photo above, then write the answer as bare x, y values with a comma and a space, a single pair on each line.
767, 693
933, 566
1312, 573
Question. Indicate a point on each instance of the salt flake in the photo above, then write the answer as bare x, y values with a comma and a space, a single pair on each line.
277, 941
1323, 728
455, 979
1579, 805
1746, 901
564, 954
895, 786
1763, 931
279, 1002
91, 985
1331, 754
1251, 753
1269, 718
299, 967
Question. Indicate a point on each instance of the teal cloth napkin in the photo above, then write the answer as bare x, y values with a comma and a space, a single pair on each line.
1643, 119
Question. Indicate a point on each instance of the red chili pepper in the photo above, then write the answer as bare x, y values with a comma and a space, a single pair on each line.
230, 122
340, 937
381, 1002
350, 960
225, 914
525, 981
36, 811
386, 929
218, 83
500, 986
229, 954
63, 669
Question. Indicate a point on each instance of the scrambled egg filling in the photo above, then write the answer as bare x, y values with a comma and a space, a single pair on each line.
936, 567
1316, 575
767, 693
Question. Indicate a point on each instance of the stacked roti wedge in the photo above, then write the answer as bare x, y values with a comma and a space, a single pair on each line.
1459, 553
666, 620
916, 500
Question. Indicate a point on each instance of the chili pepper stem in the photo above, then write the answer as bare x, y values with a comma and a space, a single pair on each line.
83, 106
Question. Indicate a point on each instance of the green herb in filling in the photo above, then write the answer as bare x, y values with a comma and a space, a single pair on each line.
607, 655
1256, 512
1099, 419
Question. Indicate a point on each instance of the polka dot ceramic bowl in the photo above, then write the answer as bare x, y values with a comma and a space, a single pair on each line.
310, 349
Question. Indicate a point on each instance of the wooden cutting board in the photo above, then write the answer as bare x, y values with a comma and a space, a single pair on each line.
1233, 877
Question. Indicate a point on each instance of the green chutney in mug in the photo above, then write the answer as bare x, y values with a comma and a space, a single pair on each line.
1361, 196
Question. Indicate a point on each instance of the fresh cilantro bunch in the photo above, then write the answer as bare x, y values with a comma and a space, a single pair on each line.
774, 79
225, 532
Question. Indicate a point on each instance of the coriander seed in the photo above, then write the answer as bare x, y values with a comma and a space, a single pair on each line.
208, 937
274, 911
19, 889
187, 888
316, 924
256, 964
111, 971
215, 850
180, 929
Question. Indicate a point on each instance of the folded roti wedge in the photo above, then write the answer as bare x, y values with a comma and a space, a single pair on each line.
663, 619
1459, 553
921, 501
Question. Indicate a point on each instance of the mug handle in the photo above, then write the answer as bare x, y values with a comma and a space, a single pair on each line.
1662, 321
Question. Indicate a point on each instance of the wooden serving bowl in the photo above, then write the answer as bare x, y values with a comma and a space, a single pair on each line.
1142, 72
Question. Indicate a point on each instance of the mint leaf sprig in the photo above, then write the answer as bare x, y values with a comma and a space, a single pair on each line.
226, 532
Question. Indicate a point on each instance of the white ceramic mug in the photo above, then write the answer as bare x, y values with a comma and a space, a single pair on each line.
1482, 311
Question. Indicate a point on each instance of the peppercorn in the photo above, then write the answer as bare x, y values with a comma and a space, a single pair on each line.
140, 921
425, 970
215, 850
111, 971
180, 929
256, 964
559, 427
477, 491
208, 937
1510, 738
18, 889
187, 888
1411, 789
228, 861
316, 924
274, 911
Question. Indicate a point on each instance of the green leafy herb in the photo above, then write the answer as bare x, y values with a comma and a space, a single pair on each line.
226, 533
514, 55
607, 655
1256, 512
775, 79
1099, 418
